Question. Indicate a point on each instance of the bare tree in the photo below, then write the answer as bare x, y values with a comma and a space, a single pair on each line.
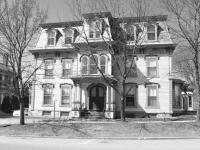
116, 43
186, 26
19, 23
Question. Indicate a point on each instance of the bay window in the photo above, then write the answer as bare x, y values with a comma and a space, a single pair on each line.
131, 91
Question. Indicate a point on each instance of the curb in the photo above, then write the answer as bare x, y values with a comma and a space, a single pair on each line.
104, 138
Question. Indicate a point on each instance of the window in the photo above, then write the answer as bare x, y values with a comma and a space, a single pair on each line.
48, 94
51, 38
49, 66
130, 90
95, 29
177, 96
130, 33
152, 95
64, 114
190, 101
1, 77
152, 66
84, 63
67, 67
131, 66
151, 32
93, 64
65, 95
68, 36
46, 113
103, 63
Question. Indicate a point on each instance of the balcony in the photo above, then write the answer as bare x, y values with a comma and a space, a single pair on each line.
80, 75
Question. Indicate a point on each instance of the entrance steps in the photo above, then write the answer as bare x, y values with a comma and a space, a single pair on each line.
94, 115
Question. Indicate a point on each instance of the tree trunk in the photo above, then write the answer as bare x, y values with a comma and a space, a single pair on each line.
22, 112
122, 110
198, 114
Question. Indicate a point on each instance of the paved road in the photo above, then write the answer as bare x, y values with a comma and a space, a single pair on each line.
13, 143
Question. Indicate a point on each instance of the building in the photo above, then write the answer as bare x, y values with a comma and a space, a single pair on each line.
69, 82
5, 79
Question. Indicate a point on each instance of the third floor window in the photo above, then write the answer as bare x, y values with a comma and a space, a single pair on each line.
51, 38
95, 29
151, 32
68, 36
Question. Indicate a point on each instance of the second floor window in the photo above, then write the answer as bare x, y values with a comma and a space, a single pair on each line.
68, 36
93, 64
65, 94
49, 67
67, 67
51, 38
84, 65
103, 64
152, 66
152, 95
151, 32
95, 29
48, 94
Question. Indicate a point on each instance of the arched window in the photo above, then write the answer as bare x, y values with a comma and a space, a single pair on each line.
84, 63
93, 64
103, 63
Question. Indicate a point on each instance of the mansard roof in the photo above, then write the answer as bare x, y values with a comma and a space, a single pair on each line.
99, 15
62, 24
103, 15
142, 19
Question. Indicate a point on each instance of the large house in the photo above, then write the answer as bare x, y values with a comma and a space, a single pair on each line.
69, 82
5, 78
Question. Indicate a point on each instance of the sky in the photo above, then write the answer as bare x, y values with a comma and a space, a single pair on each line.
59, 11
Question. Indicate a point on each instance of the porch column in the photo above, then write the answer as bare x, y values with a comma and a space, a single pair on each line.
112, 100
108, 98
76, 103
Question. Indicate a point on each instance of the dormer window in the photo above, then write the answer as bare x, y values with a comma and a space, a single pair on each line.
68, 36
95, 28
151, 32
51, 38
130, 32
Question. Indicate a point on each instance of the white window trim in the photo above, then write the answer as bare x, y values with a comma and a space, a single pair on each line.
70, 96
157, 96
52, 95
157, 66
94, 30
72, 36
156, 32
52, 37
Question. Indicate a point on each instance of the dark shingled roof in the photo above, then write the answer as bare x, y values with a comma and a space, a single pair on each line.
99, 14
62, 24
142, 19
105, 14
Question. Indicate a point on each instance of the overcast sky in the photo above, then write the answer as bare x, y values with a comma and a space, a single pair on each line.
58, 10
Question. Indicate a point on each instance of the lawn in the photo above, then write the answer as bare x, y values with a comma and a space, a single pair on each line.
107, 129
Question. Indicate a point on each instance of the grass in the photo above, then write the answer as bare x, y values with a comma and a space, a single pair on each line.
96, 130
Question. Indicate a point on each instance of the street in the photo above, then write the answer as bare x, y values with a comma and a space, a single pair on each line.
17, 143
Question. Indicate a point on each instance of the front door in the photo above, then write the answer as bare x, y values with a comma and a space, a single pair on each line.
97, 97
